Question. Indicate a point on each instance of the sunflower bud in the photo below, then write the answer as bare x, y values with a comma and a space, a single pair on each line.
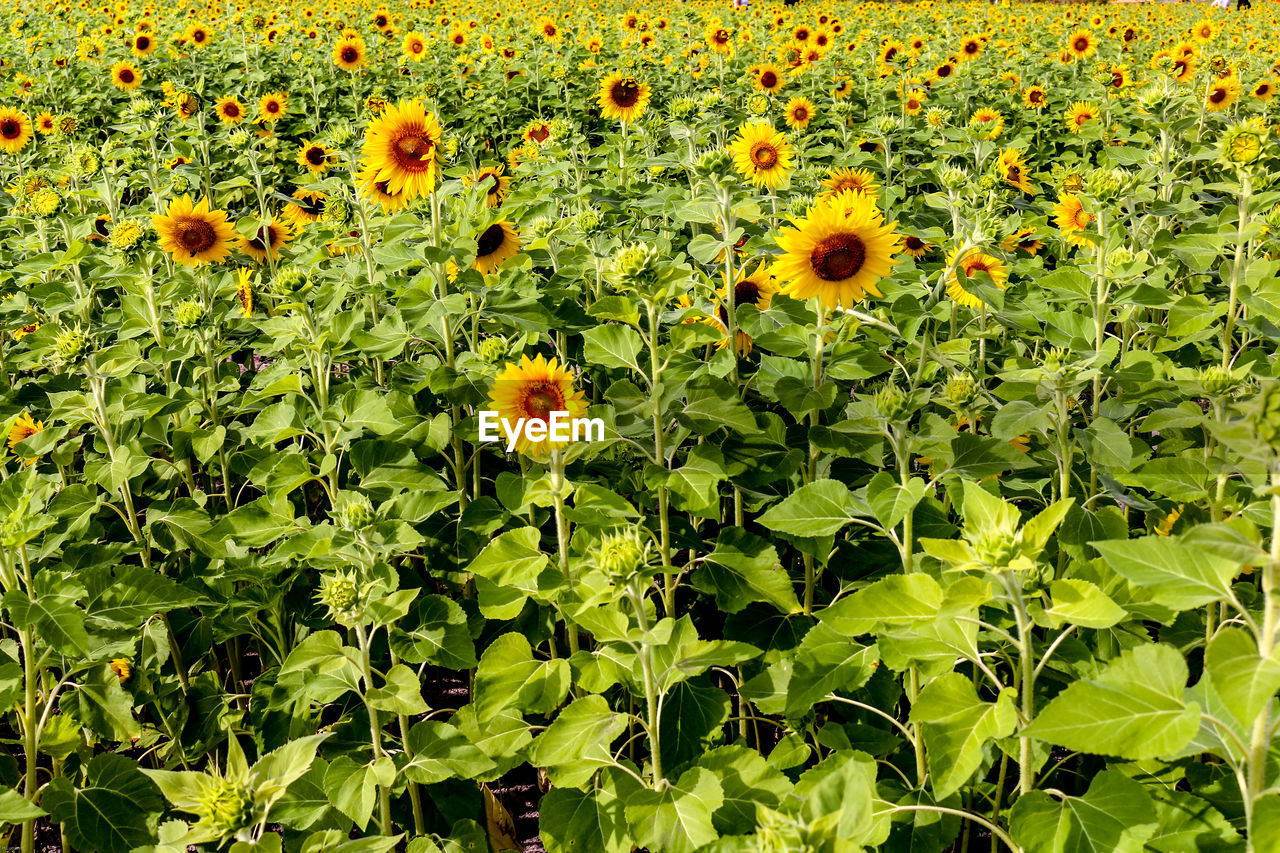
180, 183
188, 313
683, 106
355, 512
1106, 184
239, 138
126, 235
758, 105
886, 125
938, 117
224, 807
954, 179
1243, 143
46, 202
340, 593
714, 164
588, 219
1218, 383
493, 349
290, 281
337, 211
799, 205
636, 267
621, 554
891, 403
961, 390
71, 343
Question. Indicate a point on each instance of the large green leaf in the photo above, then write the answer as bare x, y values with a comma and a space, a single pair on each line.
1116, 815
117, 811
1174, 574
958, 726
677, 819
818, 509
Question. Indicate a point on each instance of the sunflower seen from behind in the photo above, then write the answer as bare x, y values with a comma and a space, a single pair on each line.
534, 390
838, 252
193, 233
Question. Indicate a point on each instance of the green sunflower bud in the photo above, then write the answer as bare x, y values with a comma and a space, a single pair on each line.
961, 390
891, 403
188, 313
46, 202
493, 349
126, 235
224, 807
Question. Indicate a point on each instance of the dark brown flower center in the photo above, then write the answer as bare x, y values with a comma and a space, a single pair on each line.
10, 128
625, 93
764, 155
413, 152
914, 244
490, 240
1081, 45
315, 156
838, 257
126, 76
540, 133
542, 401
768, 79
196, 236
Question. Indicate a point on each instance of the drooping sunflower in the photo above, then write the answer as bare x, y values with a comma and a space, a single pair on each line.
272, 107
623, 98
1035, 98
15, 130
1079, 114
837, 252
915, 247
769, 79
1024, 239
761, 154
1072, 219
973, 263
494, 245
1082, 44
349, 53
125, 76
314, 156
23, 428
533, 390
244, 291
306, 208
988, 122
401, 150
414, 46
495, 183
267, 240
1014, 171
193, 233
1223, 92
799, 113
859, 181
229, 109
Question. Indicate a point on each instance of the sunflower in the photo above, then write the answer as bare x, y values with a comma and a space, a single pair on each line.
1203, 31
1264, 89
1072, 219
857, 181
1035, 98
769, 78
1082, 44
1079, 114
401, 149
837, 252
229, 109
314, 156
414, 46
943, 72
494, 245
1025, 239
799, 113
15, 130
306, 208
623, 98
45, 123
988, 122
267, 239
755, 289
244, 291
915, 247
761, 154
272, 107
973, 262
495, 183
349, 53
143, 44
1222, 93
198, 35
536, 131
533, 390
125, 76
194, 234
1014, 171
23, 428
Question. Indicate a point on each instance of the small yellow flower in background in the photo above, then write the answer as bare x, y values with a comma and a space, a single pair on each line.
244, 291
973, 263
122, 669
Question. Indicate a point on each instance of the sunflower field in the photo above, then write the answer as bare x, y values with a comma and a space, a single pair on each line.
929, 495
